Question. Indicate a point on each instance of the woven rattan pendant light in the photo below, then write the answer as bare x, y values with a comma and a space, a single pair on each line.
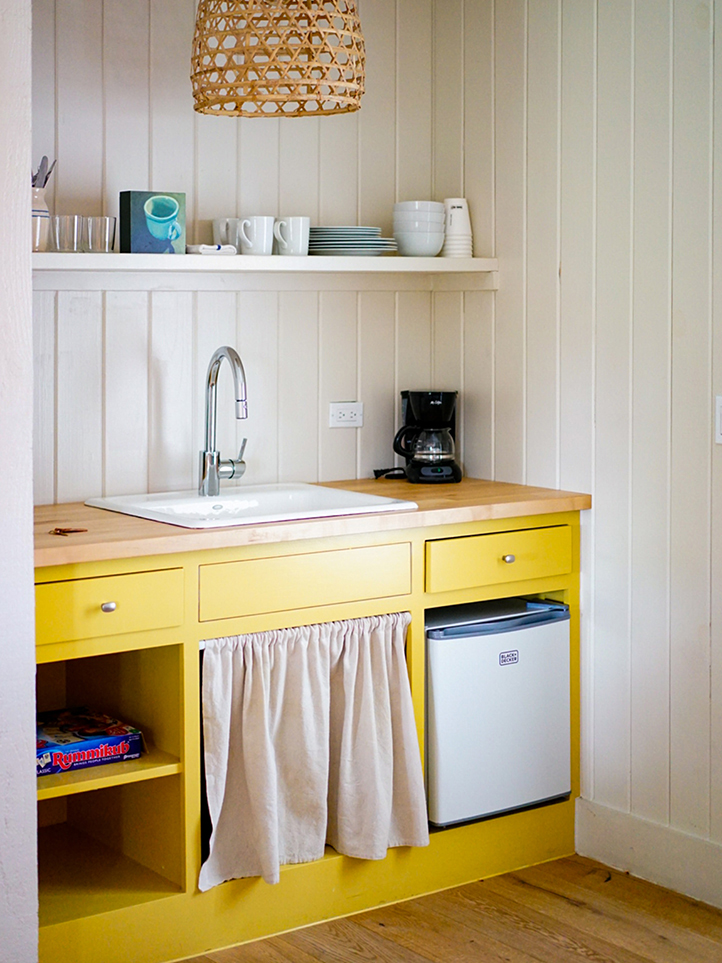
270, 58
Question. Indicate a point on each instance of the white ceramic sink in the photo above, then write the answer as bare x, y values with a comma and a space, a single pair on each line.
250, 505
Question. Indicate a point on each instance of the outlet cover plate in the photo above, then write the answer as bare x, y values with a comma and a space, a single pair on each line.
345, 414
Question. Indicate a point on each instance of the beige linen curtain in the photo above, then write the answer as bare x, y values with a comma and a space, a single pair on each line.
309, 738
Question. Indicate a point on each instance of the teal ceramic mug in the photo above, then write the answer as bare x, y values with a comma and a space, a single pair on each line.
160, 215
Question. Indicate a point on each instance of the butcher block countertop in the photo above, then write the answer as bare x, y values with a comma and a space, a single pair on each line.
111, 535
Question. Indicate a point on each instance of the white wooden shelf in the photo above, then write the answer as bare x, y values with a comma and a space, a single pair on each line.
56, 271
384, 264
152, 764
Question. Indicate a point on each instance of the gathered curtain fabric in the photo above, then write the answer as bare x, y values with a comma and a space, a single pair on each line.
309, 738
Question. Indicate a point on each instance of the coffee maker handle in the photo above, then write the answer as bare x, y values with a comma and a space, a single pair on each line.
399, 440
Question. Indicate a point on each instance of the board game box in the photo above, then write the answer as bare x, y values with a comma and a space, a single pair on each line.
80, 738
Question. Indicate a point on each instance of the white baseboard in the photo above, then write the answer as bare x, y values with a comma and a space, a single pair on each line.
660, 854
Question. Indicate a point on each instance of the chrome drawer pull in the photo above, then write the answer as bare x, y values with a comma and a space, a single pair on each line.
108, 607
508, 559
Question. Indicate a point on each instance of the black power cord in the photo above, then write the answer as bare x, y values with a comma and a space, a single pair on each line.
389, 473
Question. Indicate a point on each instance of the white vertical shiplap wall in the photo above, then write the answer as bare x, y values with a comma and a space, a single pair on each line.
605, 125
637, 376
120, 373
586, 137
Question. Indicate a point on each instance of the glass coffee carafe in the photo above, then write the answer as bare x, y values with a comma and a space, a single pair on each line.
426, 438
425, 444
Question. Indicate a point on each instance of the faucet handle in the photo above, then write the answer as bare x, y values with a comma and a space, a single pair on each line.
233, 467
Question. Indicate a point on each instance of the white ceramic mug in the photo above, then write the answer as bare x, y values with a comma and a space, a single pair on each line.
256, 235
292, 233
225, 230
457, 216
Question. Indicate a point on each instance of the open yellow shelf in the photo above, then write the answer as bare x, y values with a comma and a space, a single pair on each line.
79, 876
151, 765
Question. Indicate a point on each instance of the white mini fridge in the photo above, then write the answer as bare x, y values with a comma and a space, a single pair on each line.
497, 708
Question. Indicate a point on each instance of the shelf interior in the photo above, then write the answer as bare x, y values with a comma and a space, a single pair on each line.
78, 876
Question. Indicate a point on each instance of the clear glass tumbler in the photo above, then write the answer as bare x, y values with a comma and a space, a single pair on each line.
98, 234
66, 232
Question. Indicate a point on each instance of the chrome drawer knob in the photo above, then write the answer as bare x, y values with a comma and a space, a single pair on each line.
108, 607
508, 559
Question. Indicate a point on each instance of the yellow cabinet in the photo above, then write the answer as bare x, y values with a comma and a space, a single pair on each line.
98, 607
277, 584
120, 825
119, 845
515, 556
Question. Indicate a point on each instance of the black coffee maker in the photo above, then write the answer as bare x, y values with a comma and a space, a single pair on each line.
426, 437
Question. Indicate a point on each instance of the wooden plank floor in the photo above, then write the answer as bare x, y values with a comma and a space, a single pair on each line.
567, 911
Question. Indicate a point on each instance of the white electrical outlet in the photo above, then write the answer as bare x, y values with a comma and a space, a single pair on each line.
345, 414
718, 420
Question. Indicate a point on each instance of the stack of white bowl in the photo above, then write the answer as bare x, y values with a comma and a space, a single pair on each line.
419, 228
458, 240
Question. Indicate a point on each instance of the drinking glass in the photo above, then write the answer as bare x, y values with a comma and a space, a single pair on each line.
66, 232
98, 234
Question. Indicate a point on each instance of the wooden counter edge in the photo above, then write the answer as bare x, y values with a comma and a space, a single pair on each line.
111, 535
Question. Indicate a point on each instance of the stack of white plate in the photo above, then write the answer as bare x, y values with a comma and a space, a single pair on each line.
419, 228
350, 241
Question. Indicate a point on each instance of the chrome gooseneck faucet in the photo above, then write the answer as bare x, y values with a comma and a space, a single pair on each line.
212, 468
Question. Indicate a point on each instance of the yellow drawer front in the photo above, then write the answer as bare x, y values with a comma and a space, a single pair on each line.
475, 560
253, 587
67, 611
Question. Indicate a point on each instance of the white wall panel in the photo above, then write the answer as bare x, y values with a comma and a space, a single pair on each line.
543, 255
477, 403
172, 126
44, 408
377, 388
578, 313
479, 59
377, 117
43, 58
447, 341
338, 373
258, 167
612, 459
125, 363
413, 341
216, 173
414, 100
79, 396
448, 94
691, 419
79, 138
510, 188
338, 166
172, 461
299, 167
126, 31
651, 413
257, 344
578, 244
298, 386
